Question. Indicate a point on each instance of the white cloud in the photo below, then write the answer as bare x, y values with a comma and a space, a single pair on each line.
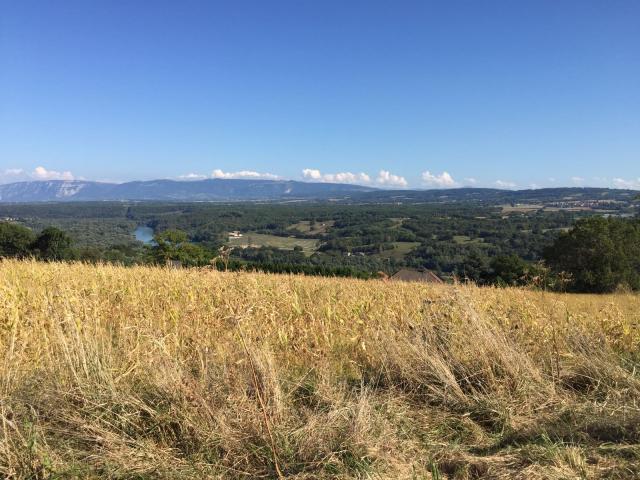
39, 173
192, 176
504, 184
13, 175
577, 180
443, 180
343, 177
470, 181
390, 180
384, 177
311, 174
623, 183
348, 177
217, 173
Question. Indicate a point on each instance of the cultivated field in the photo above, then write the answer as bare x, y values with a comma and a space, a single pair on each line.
109, 372
308, 245
400, 250
315, 229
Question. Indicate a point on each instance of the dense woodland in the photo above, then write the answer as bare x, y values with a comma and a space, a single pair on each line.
563, 248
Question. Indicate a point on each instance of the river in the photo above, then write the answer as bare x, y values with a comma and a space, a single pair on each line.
144, 234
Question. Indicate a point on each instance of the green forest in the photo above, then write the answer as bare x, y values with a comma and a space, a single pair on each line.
568, 249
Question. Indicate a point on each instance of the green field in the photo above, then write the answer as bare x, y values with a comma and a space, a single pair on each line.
286, 243
401, 249
460, 239
521, 208
306, 227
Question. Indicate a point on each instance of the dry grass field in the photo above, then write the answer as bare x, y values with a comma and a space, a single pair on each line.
140, 373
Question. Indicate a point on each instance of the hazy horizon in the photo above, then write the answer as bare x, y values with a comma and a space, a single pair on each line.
368, 185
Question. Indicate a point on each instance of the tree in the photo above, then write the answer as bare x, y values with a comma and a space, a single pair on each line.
508, 270
168, 244
474, 266
53, 244
174, 245
192, 255
15, 240
599, 254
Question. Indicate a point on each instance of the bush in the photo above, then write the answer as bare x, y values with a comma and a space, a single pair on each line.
15, 240
599, 254
53, 244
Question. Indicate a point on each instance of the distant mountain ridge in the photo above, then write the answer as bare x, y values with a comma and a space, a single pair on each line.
494, 196
284, 190
173, 190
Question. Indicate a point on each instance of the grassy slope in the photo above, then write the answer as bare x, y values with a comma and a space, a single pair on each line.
150, 373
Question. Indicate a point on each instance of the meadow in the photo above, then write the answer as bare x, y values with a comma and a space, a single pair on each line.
251, 239
142, 372
399, 250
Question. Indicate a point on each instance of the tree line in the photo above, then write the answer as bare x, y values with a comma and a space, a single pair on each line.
596, 255
21, 242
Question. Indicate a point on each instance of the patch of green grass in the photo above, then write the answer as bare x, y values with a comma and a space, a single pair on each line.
400, 251
521, 208
398, 221
460, 239
263, 240
318, 227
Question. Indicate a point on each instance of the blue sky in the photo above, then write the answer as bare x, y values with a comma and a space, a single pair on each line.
397, 93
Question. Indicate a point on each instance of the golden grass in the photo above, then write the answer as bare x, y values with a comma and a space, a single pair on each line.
111, 372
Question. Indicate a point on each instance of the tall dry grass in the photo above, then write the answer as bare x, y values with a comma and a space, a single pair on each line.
111, 372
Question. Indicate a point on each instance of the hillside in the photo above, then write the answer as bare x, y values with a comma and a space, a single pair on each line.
221, 190
112, 372
172, 190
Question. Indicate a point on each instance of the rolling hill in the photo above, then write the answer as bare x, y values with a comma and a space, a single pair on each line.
172, 190
286, 190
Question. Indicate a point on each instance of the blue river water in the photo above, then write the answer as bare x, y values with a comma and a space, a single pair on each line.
144, 234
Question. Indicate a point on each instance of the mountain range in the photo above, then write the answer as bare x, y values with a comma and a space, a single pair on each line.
283, 190
173, 190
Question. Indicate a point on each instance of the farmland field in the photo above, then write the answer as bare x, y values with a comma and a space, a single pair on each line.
315, 228
113, 372
520, 208
263, 240
466, 239
399, 251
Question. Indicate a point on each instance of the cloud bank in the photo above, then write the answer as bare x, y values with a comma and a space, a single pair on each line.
192, 176
384, 178
314, 175
388, 179
505, 184
217, 173
577, 180
631, 184
39, 173
443, 180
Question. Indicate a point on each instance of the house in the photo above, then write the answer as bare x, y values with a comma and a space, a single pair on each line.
412, 275
235, 234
